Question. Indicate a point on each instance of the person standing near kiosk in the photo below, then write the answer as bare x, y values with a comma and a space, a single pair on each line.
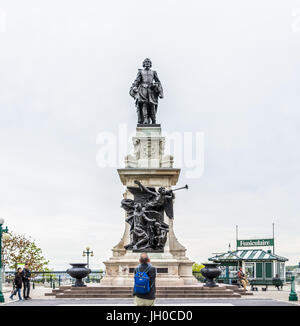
242, 278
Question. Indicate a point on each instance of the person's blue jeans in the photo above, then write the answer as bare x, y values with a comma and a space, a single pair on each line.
19, 293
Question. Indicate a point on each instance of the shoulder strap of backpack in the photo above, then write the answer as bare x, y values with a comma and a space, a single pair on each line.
148, 268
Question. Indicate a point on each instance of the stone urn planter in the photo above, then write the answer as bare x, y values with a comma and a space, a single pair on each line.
210, 272
79, 271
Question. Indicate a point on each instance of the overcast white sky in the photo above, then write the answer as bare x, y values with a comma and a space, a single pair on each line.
229, 69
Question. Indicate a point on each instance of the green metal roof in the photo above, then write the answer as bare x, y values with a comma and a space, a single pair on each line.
255, 255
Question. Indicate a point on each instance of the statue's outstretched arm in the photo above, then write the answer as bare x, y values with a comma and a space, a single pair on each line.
143, 188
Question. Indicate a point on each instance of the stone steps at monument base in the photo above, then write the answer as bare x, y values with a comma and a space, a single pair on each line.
117, 291
200, 295
157, 290
159, 293
197, 295
129, 288
191, 291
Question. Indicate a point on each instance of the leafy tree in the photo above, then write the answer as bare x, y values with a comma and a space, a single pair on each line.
196, 271
197, 267
18, 249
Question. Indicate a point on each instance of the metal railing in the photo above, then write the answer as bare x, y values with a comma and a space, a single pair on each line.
54, 279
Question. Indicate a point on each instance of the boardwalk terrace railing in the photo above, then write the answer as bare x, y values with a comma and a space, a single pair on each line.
55, 279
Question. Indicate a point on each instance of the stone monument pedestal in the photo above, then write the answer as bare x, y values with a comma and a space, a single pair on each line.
170, 271
152, 168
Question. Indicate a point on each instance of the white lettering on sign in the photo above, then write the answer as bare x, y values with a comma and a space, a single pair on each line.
254, 243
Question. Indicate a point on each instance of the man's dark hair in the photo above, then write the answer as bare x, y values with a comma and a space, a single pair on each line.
144, 259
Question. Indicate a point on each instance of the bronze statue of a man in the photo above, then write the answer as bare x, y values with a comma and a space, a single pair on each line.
146, 89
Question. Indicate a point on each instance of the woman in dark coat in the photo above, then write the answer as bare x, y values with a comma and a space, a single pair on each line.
18, 284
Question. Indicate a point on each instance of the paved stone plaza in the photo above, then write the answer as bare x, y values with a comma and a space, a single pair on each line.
271, 297
159, 302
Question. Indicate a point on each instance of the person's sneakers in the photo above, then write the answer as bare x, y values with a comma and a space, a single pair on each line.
11, 297
25, 298
29, 298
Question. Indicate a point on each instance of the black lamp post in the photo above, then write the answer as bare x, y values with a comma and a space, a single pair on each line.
2, 231
88, 253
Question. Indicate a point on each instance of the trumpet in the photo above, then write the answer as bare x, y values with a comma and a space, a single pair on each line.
185, 187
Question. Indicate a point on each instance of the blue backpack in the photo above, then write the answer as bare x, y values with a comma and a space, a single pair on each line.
142, 281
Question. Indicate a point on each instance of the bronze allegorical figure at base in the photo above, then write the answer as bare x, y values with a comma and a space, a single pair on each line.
145, 215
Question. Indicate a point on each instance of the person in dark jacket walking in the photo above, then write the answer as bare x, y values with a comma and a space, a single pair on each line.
18, 284
26, 282
147, 299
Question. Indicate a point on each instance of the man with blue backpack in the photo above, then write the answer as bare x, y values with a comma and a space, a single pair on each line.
144, 282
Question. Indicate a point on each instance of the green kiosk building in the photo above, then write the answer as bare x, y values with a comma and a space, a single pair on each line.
260, 266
